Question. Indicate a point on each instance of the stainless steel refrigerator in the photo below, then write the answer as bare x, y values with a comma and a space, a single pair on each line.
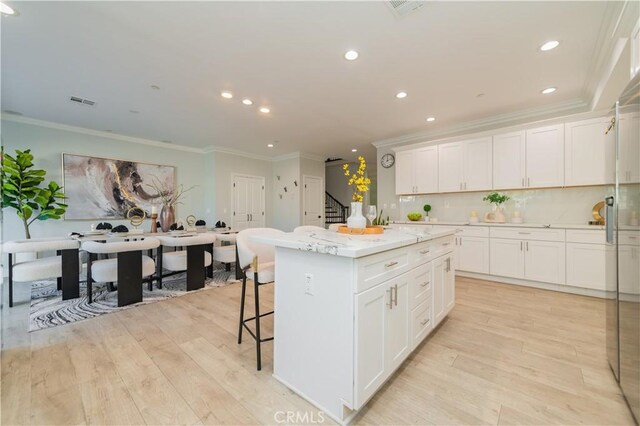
623, 248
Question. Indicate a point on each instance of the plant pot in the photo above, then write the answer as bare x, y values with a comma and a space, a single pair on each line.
356, 220
499, 214
167, 217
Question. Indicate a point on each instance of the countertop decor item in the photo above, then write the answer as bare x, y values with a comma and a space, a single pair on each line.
595, 212
136, 216
21, 190
171, 197
473, 217
497, 199
359, 181
380, 221
517, 217
427, 209
414, 217
369, 230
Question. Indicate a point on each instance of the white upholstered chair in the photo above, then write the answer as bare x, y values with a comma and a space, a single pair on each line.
193, 254
257, 261
335, 226
65, 265
225, 253
308, 228
130, 268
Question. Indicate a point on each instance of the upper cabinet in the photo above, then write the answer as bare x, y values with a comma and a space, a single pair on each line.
629, 157
417, 171
545, 157
465, 165
509, 160
588, 151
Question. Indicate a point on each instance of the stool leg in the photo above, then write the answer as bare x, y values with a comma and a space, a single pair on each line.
244, 290
11, 280
257, 297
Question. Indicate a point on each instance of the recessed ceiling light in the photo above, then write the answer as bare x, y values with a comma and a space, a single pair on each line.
154, 87
430, 119
354, 150
552, 44
351, 55
265, 110
548, 90
269, 145
247, 101
6, 10
226, 95
401, 95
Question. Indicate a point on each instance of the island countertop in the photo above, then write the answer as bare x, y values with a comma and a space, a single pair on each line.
353, 246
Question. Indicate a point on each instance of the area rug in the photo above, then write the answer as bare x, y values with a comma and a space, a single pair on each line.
49, 310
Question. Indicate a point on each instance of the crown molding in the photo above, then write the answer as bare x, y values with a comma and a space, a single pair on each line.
489, 123
293, 155
98, 133
231, 151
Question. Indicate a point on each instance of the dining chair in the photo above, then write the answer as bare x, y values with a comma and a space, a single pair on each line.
258, 261
225, 253
308, 228
64, 266
195, 258
130, 268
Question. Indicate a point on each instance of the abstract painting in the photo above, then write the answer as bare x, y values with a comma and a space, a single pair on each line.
102, 188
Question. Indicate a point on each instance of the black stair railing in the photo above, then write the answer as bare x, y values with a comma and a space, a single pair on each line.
335, 211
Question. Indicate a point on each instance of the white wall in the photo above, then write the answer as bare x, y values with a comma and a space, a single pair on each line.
47, 145
286, 204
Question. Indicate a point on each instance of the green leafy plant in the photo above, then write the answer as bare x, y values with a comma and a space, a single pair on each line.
380, 221
427, 209
21, 190
414, 217
496, 198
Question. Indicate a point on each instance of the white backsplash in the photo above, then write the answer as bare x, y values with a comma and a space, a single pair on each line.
559, 205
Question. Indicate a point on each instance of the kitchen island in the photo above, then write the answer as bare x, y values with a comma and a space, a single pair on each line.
350, 309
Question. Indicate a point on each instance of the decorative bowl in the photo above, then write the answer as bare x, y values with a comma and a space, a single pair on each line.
414, 217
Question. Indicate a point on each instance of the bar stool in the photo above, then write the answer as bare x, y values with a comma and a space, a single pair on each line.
308, 228
129, 268
194, 259
258, 260
65, 266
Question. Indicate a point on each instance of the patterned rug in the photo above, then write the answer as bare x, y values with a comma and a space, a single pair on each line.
49, 310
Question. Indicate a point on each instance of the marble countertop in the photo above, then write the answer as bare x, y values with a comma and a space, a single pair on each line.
354, 246
513, 225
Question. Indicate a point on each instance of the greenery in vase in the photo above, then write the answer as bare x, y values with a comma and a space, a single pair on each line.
358, 180
21, 190
427, 209
169, 196
496, 198
379, 221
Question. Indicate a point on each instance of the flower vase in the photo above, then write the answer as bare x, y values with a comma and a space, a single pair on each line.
499, 214
167, 217
356, 219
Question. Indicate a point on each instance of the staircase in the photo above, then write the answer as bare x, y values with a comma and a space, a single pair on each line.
334, 210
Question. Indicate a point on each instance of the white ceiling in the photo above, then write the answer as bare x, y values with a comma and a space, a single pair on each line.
289, 56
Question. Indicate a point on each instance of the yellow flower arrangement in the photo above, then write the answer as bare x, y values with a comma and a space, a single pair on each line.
358, 180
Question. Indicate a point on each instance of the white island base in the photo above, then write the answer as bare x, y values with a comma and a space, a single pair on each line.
345, 321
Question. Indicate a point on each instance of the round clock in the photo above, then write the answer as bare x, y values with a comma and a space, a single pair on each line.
387, 160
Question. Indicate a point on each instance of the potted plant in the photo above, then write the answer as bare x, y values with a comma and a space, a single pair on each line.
360, 183
21, 190
427, 209
497, 200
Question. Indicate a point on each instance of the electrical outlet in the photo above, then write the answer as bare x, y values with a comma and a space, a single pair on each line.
308, 284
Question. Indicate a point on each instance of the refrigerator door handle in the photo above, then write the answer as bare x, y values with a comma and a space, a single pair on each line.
609, 219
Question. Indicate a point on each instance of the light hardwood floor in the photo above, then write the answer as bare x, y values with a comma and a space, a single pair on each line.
506, 355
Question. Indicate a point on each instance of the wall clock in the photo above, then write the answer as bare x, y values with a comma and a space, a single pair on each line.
387, 160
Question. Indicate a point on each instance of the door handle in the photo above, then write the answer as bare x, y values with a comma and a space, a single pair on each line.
396, 297
609, 218
390, 264
424, 251
520, 245
528, 182
390, 304
523, 182
424, 322
424, 284
527, 244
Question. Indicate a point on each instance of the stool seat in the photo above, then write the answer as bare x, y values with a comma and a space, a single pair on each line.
224, 254
177, 260
106, 271
266, 272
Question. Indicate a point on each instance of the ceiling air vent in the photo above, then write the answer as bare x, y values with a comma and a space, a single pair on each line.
402, 8
82, 101
332, 159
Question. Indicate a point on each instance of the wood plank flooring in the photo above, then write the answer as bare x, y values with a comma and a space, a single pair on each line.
505, 355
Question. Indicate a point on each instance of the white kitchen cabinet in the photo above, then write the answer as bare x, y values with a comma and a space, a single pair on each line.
443, 287
509, 160
450, 167
629, 157
586, 265
544, 261
472, 254
449, 294
545, 157
417, 171
397, 332
465, 165
507, 258
588, 152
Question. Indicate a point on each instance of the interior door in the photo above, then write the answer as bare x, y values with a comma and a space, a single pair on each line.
241, 203
256, 202
313, 201
478, 157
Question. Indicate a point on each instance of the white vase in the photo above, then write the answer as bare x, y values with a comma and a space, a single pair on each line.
356, 219
499, 214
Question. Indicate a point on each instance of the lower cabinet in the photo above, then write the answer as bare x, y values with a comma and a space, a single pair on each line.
507, 258
542, 261
473, 254
443, 287
586, 265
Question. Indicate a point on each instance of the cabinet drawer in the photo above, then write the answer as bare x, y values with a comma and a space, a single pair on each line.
473, 231
421, 323
377, 268
586, 236
629, 238
420, 253
420, 287
539, 234
441, 246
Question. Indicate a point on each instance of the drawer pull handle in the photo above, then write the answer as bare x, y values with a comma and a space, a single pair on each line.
524, 233
390, 264
424, 322
424, 284
445, 244
424, 251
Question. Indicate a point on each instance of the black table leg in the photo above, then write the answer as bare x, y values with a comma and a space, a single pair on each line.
210, 267
129, 277
70, 274
159, 266
195, 267
10, 280
238, 269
